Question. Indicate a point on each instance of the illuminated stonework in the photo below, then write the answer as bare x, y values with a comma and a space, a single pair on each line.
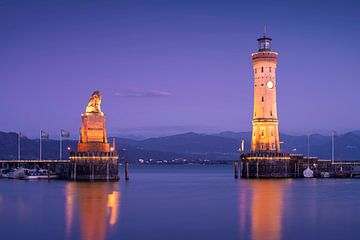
93, 131
94, 160
265, 133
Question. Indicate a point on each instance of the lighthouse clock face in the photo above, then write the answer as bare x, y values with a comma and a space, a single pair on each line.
270, 84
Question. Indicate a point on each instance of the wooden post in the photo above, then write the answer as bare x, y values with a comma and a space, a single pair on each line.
247, 169
48, 171
236, 168
126, 171
257, 168
107, 170
74, 170
92, 171
298, 170
241, 169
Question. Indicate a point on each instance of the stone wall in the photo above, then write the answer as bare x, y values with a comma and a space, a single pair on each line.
92, 166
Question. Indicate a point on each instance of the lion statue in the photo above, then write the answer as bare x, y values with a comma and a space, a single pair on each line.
93, 105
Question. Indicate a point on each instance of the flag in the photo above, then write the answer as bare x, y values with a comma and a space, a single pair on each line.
44, 135
64, 133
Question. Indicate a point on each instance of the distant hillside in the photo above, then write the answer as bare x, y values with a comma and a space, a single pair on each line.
192, 146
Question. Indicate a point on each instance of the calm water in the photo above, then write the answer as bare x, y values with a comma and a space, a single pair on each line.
180, 202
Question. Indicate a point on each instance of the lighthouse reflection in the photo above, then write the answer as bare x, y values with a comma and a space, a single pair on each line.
264, 200
94, 205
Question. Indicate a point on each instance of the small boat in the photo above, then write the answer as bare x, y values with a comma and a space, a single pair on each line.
325, 174
308, 173
35, 174
4, 172
16, 173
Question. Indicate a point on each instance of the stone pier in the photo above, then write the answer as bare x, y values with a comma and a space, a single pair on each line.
91, 166
267, 165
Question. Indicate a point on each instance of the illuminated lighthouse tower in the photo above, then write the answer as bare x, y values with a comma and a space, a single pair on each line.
265, 133
265, 160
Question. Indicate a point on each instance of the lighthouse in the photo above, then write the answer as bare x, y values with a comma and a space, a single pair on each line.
265, 133
264, 159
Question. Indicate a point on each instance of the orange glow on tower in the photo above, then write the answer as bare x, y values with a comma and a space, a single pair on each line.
265, 133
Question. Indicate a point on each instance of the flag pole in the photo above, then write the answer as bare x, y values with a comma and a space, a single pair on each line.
308, 148
333, 147
40, 144
19, 134
60, 145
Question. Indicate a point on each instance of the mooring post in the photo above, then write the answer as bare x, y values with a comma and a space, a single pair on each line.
236, 168
74, 170
126, 171
298, 170
107, 170
241, 169
92, 171
257, 168
247, 169
48, 171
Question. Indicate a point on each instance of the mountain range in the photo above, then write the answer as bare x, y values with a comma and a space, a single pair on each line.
191, 146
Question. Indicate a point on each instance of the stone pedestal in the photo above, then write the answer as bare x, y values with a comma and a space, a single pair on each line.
92, 166
93, 133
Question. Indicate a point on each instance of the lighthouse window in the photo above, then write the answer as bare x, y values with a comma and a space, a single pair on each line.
269, 69
255, 70
270, 113
262, 69
262, 99
262, 133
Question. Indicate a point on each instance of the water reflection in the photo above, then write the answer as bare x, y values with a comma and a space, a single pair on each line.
261, 205
94, 205
266, 209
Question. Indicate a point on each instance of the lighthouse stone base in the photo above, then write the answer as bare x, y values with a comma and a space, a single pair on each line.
267, 165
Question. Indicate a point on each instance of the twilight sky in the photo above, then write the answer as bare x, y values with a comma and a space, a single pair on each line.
174, 66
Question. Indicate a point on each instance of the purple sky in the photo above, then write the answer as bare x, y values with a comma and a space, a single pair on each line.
174, 66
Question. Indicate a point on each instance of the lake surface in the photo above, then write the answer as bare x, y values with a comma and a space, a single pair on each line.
181, 202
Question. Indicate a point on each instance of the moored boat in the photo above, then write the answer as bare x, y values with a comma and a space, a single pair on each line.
308, 173
35, 174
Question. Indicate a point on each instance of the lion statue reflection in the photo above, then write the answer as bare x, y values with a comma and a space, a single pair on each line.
93, 105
